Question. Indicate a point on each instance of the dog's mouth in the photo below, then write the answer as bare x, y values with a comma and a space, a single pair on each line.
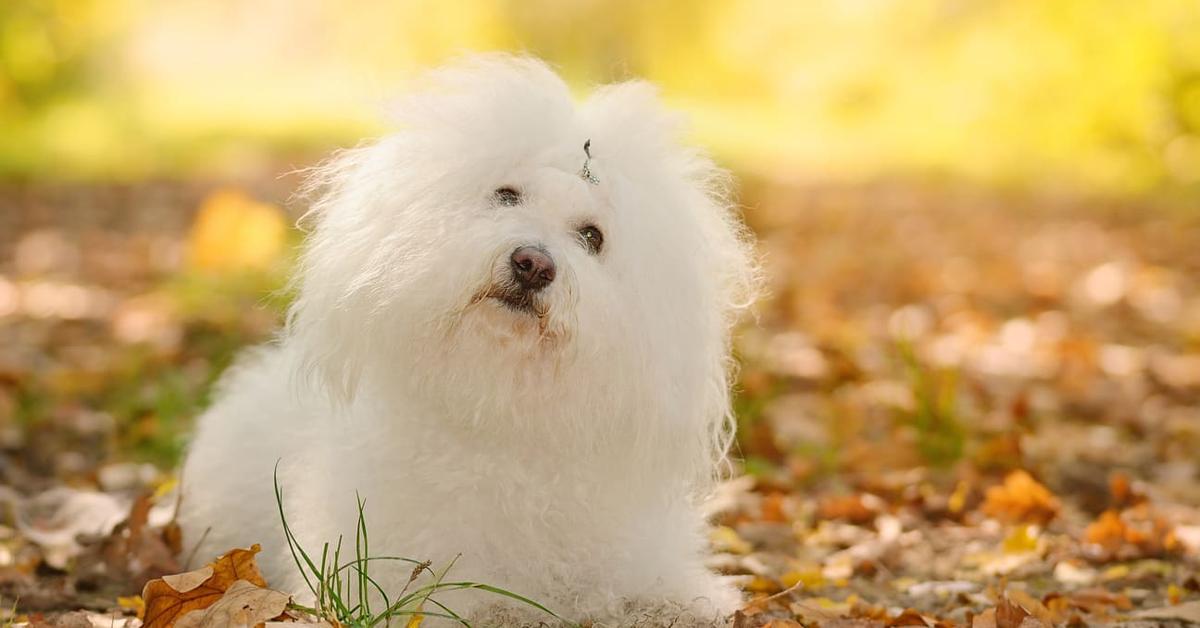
530, 311
515, 299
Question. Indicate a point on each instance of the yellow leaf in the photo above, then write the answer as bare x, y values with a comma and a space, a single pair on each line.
1116, 572
1023, 538
234, 232
811, 578
760, 584
725, 539
132, 603
958, 499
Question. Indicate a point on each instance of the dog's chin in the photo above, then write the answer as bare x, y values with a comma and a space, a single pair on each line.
511, 300
521, 303
505, 313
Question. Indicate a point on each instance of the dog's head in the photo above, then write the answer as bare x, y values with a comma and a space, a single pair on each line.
507, 249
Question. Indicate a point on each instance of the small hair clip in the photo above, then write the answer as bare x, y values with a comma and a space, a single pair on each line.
585, 172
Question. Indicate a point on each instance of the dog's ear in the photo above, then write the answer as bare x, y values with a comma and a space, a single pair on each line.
330, 321
633, 133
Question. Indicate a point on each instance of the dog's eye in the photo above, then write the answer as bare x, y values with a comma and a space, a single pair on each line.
592, 238
506, 196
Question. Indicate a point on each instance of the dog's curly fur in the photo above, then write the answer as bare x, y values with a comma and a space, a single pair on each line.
561, 448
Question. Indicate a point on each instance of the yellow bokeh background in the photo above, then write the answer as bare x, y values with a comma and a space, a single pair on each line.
1101, 96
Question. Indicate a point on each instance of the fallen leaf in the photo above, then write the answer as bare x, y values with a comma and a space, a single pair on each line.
132, 603
773, 508
1009, 614
809, 578
56, 518
1021, 539
725, 539
1188, 612
1071, 573
1021, 499
1137, 532
986, 619
184, 582
243, 605
909, 617
852, 508
1123, 491
165, 604
1032, 605
130, 556
234, 232
1098, 600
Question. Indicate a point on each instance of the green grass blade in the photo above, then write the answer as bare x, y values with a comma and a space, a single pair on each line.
293, 544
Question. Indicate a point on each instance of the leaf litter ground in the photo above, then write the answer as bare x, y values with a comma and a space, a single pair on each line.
956, 408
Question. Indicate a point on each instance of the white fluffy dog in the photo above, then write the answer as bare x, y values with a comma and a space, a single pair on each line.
511, 339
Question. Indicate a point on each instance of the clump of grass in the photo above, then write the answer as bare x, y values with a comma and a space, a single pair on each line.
344, 590
941, 437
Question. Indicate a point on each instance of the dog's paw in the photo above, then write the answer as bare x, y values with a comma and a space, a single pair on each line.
510, 616
665, 613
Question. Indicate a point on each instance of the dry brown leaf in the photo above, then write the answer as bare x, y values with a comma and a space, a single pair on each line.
1122, 490
1021, 499
1009, 614
165, 604
1032, 605
986, 619
184, 582
850, 508
910, 617
773, 508
1095, 600
244, 604
1187, 612
132, 555
172, 536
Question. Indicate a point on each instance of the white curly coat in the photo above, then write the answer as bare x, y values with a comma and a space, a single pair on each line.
563, 453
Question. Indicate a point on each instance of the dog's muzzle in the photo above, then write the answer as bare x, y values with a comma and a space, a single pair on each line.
531, 270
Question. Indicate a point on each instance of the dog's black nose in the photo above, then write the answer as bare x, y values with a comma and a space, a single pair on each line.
532, 267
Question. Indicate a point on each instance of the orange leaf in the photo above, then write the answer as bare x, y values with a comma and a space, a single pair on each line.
167, 599
909, 617
1108, 531
850, 508
1021, 498
244, 604
773, 508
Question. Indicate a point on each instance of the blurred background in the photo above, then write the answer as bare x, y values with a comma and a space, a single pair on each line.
979, 220
1006, 187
